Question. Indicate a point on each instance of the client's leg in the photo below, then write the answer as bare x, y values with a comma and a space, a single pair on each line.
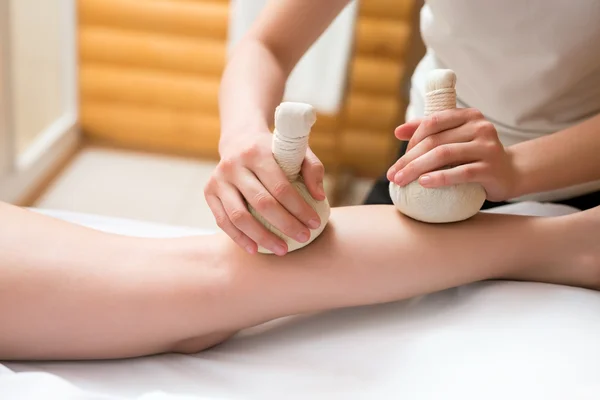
68, 292
372, 254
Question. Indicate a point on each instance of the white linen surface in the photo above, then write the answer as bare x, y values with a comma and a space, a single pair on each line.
490, 340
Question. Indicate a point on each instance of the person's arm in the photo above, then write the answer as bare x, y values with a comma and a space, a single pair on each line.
68, 292
252, 86
254, 79
559, 160
465, 140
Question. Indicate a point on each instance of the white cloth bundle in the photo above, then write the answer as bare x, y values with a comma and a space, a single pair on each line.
443, 204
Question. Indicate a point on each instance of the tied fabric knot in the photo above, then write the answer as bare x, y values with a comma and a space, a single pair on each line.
440, 100
289, 152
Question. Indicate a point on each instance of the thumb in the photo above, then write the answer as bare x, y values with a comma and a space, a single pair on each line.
313, 173
407, 130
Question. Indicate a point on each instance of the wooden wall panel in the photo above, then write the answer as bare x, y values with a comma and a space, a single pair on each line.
377, 37
399, 10
376, 75
202, 19
371, 112
150, 87
368, 148
375, 106
150, 72
167, 130
129, 48
151, 128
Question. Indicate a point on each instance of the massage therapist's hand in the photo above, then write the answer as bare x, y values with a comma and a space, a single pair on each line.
460, 138
248, 173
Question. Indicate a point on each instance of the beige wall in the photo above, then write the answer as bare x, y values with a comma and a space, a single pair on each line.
37, 67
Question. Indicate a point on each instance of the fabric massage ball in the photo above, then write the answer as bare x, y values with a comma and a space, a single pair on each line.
293, 123
444, 204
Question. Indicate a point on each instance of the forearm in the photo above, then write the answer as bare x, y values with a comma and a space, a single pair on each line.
563, 159
252, 86
254, 80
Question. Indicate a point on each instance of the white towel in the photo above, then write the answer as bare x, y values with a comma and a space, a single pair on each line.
320, 76
45, 386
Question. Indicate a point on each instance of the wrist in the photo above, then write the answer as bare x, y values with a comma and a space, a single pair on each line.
231, 134
519, 174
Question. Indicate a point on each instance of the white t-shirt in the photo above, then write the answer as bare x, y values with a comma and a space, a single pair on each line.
532, 67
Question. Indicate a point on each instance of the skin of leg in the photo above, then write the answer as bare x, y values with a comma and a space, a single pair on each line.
69, 292
373, 255
562, 250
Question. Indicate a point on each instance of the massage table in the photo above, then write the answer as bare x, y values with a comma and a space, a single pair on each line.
487, 340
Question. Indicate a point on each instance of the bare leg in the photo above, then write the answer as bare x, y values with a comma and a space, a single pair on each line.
374, 255
68, 292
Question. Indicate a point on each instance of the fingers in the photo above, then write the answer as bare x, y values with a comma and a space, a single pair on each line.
406, 130
288, 200
313, 173
442, 121
271, 209
228, 227
239, 216
249, 175
440, 157
427, 145
473, 172
448, 148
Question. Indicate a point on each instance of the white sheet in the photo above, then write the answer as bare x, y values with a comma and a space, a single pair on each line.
501, 340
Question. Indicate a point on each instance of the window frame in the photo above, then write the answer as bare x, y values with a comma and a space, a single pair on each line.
7, 161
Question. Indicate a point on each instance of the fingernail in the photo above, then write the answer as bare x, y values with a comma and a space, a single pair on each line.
314, 224
279, 250
398, 178
425, 180
250, 249
302, 237
321, 189
390, 175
